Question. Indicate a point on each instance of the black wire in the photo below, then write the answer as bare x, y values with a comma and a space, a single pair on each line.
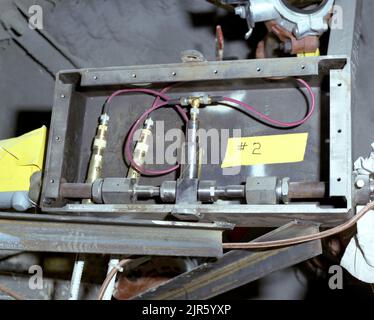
105, 107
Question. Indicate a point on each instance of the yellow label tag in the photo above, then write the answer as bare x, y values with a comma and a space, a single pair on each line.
20, 158
247, 151
317, 53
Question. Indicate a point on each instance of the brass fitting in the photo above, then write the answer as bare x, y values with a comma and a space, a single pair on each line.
195, 102
141, 148
99, 145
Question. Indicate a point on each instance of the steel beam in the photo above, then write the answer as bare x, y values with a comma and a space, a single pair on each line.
29, 232
240, 215
238, 267
212, 70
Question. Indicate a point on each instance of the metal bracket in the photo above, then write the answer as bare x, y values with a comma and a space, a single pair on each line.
238, 267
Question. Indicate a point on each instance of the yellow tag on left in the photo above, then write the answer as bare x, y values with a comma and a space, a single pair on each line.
247, 151
20, 158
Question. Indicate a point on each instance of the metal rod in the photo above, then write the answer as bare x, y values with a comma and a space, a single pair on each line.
307, 190
75, 190
113, 262
191, 168
297, 190
76, 277
230, 192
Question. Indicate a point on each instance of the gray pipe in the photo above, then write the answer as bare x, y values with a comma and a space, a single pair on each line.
18, 200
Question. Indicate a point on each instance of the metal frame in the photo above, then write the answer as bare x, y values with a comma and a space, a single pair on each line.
237, 268
338, 63
122, 234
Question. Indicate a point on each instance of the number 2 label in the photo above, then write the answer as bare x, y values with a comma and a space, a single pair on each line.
256, 149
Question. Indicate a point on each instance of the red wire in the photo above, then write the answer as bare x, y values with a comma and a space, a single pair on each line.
277, 122
157, 104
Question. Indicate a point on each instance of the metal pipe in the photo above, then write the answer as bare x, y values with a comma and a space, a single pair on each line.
146, 192
108, 293
76, 278
297, 190
230, 192
76, 190
307, 190
190, 169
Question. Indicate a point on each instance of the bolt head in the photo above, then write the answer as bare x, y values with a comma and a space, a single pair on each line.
360, 183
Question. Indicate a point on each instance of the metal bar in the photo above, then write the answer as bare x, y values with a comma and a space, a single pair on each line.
215, 70
76, 277
239, 267
240, 215
57, 134
80, 236
343, 40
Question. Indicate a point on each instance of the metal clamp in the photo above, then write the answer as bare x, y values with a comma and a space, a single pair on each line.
301, 23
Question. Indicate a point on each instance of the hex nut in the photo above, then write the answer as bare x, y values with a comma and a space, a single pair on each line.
285, 190
262, 190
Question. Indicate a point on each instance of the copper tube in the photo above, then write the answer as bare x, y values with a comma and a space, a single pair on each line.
302, 239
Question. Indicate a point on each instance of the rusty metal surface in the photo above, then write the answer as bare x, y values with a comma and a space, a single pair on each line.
212, 70
307, 190
239, 267
76, 190
88, 235
240, 215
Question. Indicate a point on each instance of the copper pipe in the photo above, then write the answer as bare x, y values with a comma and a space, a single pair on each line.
302, 239
11, 293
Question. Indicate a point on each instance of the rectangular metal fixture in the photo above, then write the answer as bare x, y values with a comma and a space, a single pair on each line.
79, 95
